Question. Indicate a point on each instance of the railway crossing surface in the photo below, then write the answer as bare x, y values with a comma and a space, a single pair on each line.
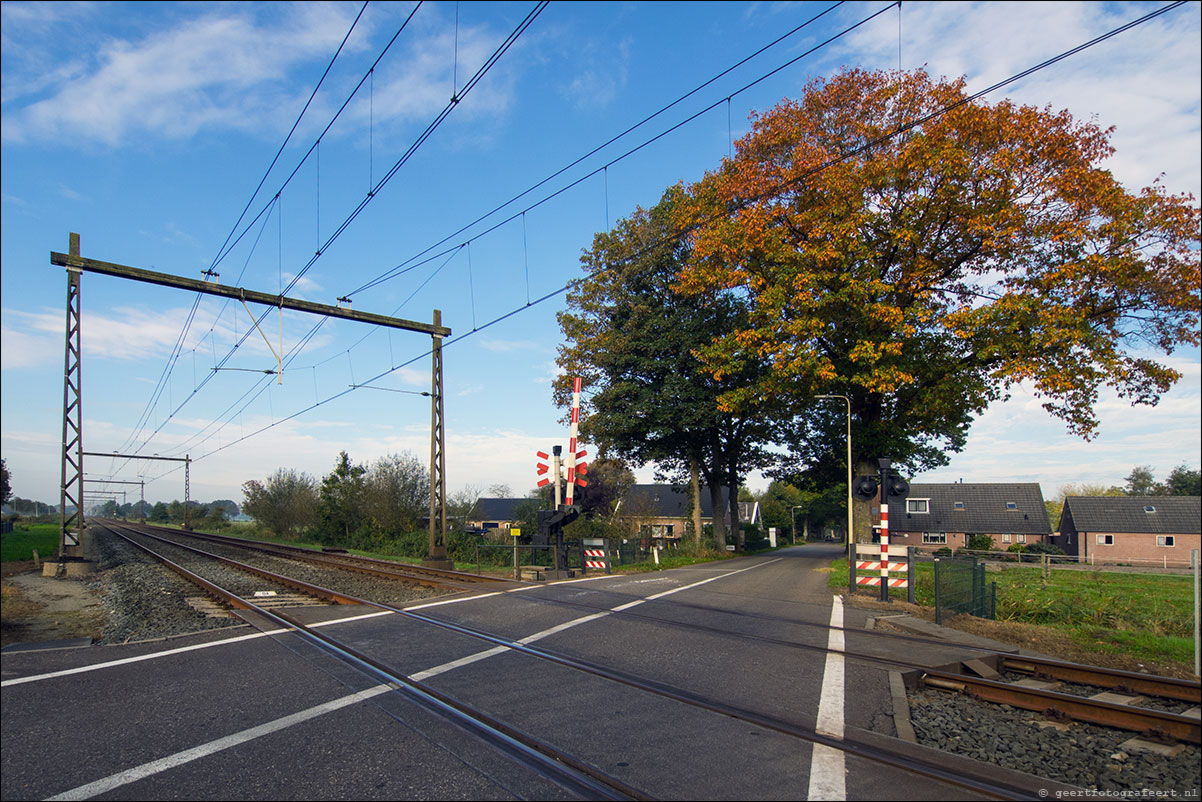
262, 714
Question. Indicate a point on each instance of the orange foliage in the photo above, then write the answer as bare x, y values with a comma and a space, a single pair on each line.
925, 268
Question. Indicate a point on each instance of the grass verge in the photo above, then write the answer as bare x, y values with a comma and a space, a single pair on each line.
19, 545
1148, 617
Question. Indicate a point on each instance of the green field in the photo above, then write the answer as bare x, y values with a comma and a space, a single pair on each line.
1149, 616
21, 542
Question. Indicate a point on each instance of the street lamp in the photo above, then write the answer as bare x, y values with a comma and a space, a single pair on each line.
848, 400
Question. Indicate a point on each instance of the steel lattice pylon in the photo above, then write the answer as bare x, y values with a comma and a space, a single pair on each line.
72, 418
437, 546
71, 525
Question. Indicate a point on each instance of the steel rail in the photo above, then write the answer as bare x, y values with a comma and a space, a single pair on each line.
1183, 690
432, 577
295, 584
1157, 723
550, 763
1167, 687
902, 760
1129, 717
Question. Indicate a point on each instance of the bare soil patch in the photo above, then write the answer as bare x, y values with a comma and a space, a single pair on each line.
36, 608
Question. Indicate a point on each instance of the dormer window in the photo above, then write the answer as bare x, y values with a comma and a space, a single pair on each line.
918, 505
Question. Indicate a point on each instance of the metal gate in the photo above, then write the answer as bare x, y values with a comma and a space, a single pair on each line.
960, 588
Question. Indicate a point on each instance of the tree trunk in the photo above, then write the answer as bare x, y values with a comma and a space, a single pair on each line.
718, 503
695, 487
735, 525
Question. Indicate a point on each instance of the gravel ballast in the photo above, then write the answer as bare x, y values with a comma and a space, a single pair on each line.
143, 600
1086, 755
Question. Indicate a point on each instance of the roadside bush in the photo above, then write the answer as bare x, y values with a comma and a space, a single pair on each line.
980, 543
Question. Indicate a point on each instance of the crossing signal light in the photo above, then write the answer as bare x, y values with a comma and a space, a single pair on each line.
896, 486
864, 487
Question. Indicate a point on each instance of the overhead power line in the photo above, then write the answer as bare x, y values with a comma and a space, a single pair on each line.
735, 207
455, 100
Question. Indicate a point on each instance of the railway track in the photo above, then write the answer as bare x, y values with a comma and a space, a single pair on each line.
863, 744
582, 776
432, 577
981, 678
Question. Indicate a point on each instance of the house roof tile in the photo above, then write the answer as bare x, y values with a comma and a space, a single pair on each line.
1171, 515
974, 508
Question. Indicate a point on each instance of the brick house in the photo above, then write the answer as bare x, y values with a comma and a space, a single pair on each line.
494, 513
933, 516
1158, 530
662, 512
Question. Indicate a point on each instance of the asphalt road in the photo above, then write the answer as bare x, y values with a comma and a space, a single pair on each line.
242, 715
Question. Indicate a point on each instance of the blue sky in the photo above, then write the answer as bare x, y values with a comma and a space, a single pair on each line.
145, 127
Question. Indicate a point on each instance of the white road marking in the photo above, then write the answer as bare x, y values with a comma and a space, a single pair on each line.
172, 652
827, 766
156, 766
204, 750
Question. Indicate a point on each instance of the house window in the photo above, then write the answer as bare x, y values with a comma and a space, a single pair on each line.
920, 505
1005, 538
959, 505
1164, 540
1149, 508
1105, 540
1012, 505
937, 538
1020, 538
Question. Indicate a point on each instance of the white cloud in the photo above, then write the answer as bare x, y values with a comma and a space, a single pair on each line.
1144, 81
221, 70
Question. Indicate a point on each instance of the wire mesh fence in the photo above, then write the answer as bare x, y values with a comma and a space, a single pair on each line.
960, 588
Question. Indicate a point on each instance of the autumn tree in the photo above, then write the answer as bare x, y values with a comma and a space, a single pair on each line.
635, 343
922, 254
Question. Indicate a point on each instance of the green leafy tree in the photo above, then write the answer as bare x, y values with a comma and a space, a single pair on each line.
634, 341
1184, 481
286, 503
229, 505
921, 254
608, 481
396, 493
6, 490
158, 513
1141, 482
341, 509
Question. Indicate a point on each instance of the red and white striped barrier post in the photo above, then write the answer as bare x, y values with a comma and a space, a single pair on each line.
596, 555
884, 543
571, 479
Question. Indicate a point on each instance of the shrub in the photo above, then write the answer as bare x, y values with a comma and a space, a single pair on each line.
980, 543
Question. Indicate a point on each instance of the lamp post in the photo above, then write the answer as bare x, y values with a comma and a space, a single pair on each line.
849, 530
